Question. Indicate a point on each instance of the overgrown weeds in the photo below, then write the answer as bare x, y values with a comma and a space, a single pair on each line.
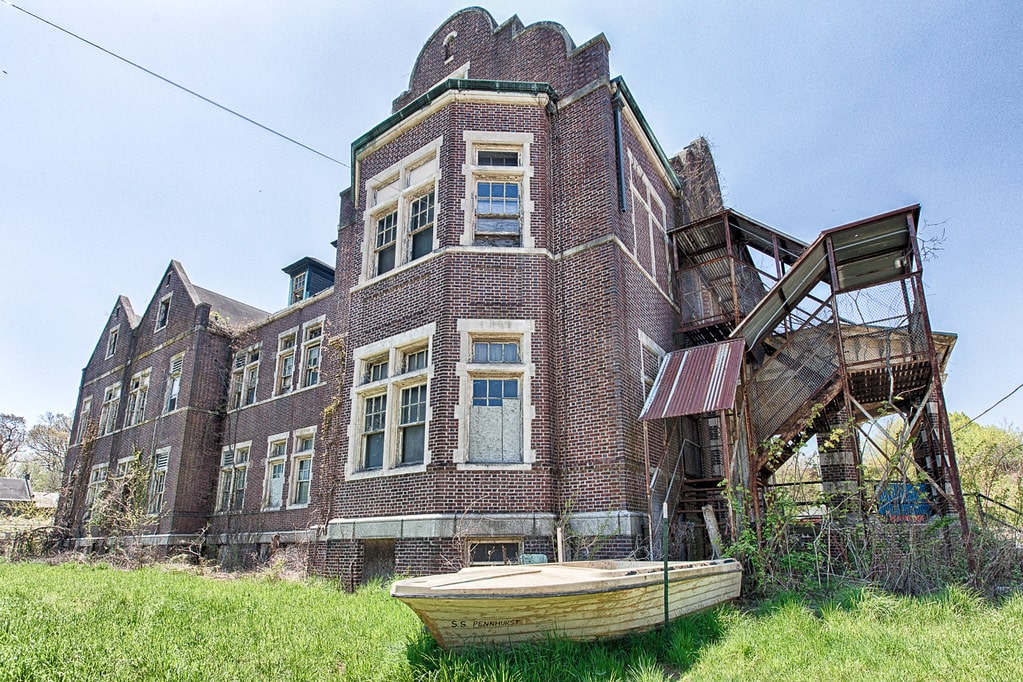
791, 551
84, 622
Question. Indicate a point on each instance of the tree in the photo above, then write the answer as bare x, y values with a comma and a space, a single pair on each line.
47, 444
12, 439
990, 459
129, 507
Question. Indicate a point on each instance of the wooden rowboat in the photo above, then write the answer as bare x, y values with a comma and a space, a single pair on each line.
579, 600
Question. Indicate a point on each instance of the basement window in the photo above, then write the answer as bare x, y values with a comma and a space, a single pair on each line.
494, 551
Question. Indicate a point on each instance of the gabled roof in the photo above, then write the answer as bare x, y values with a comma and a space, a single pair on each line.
15, 490
233, 311
129, 312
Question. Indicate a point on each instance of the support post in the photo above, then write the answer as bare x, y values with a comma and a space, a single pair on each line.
664, 548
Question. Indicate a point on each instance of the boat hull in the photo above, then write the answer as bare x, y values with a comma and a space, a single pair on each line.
576, 600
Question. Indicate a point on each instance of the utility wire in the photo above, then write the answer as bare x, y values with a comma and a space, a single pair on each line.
1000, 401
176, 85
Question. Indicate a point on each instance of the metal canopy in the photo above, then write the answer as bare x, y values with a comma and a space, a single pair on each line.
695, 380
867, 252
709, 232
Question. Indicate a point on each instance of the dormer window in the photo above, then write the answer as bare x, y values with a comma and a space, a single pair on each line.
308, 277
298, 288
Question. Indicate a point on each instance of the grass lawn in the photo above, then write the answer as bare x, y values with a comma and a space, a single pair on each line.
78, 622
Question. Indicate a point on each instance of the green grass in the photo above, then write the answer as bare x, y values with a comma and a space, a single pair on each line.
78, 622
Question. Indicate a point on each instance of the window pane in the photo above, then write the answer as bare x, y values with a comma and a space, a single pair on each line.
511, 388
489, 157
374, 458
422, 243
416, 360
421, 213
511, 352
506, 226
375, 371
302, 493
276, 485
413, 405
376, 413
385, 259
386, 229
413, 440
495, 392
479, 392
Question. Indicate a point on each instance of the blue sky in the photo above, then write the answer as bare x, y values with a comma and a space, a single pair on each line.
818, 114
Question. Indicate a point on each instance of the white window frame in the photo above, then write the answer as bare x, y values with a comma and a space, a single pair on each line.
298, 455
108, 410
112, 341
228, 478
309, 342
245, 377
138, 393
466, 370
123, 468
394, 190
476, 140
298, 293
95, 489
83, 418
273, 459
163, 311
394, 349
173, 390
284, 384
158, 482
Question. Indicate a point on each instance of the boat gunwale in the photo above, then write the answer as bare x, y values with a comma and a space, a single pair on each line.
598, 584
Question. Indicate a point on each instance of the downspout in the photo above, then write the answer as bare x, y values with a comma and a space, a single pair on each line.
619, 151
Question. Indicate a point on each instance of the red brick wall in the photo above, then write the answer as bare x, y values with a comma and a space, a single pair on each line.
537, 53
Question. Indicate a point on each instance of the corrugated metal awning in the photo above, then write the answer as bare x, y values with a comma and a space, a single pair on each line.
696, 380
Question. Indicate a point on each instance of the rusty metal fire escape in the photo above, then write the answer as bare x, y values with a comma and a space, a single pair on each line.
832, 332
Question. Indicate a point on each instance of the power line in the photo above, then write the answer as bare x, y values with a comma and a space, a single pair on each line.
176, 85
999, 402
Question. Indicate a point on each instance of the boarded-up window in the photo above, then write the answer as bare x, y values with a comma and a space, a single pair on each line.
495, 421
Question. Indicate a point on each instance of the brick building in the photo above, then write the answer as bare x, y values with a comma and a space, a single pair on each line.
516, 257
